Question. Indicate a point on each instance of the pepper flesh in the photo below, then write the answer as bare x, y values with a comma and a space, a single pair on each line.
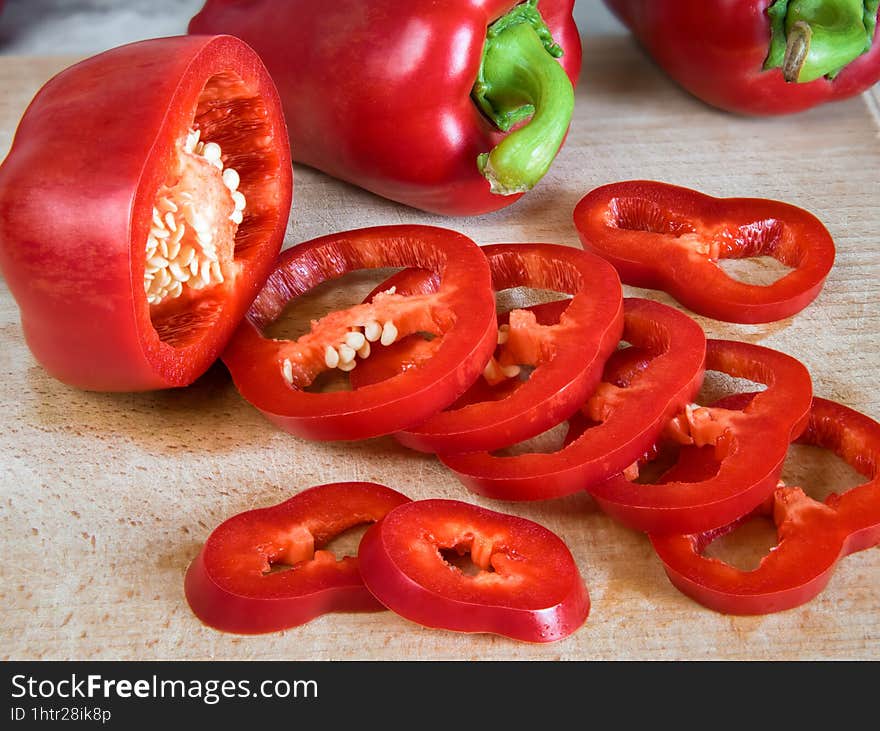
718, 51
812, 536
379, 93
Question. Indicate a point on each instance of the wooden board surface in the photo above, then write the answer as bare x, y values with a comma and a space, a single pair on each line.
106, 498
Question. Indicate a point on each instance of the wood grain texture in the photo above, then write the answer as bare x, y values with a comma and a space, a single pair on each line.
106, 498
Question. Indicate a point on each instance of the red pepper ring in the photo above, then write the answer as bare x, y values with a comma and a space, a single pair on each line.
231, 584
528, 586
633, 405
566, 354
750, 446
142, 204
666, 237
273, 374
813, 536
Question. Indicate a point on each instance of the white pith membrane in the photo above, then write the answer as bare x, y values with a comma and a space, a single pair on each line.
187, 247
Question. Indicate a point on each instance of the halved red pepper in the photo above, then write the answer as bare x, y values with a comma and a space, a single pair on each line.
643, 387
760, 56
564, 353
662, 236
813, 536
264, 570
750, 447
142, 205
526, 585
455, 107
273, 375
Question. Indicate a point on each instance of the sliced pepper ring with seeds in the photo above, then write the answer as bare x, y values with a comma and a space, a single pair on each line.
273, 375
144, 200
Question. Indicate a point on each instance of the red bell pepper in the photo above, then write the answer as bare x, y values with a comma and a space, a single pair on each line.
662, 236
520, 580
643, 387
813, 535
274, 375
760, 57
563, 354
142, 205
416, 101
749, 445
264, 570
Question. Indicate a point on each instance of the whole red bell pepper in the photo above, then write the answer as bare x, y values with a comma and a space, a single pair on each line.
760, 57
813, 536
414, 101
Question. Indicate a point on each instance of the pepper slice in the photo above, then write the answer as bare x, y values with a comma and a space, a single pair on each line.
527, 585
662, 236
234, 583
813, 536
460, 316
761, 57
454, 107
749, 445
564, 353
643, 387
142, 205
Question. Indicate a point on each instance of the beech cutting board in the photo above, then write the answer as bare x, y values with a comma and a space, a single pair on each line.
106, 498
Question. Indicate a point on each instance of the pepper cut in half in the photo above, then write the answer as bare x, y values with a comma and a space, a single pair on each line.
265, 570
142, 205
813, 536
662, 236
454, 107
274, 375
760, 57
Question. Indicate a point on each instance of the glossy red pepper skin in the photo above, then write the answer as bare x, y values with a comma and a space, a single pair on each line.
378, 93
716, 51
230, 585
567, 351
813, 536
528, 586
751, 445
662, 236
669, 350
76, 199
461, 313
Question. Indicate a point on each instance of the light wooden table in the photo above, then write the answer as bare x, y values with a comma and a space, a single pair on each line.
106, 498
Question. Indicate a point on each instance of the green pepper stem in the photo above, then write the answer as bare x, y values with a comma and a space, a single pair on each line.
816, 38
520, 78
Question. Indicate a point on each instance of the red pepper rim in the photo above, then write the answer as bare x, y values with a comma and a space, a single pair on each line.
756, 439
645, 257
227, 585
677, 369
559, 603
399, 401
813, 535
